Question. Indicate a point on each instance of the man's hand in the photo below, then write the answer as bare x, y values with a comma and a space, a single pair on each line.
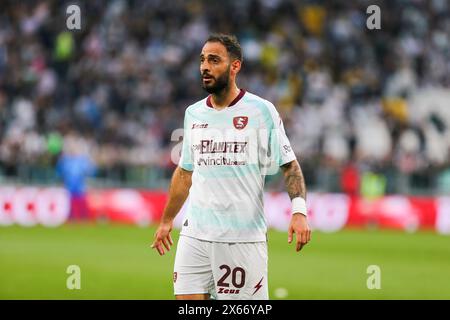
295, 186
300, 227
162, 237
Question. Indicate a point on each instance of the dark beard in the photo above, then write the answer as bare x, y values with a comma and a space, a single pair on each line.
220, 83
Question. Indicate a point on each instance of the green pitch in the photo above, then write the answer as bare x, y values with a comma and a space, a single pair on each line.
116, 262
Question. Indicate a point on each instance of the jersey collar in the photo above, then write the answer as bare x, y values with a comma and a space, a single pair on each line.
236, 100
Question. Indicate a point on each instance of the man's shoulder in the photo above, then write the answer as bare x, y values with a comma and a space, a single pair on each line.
264, 105
253, 98
196, 106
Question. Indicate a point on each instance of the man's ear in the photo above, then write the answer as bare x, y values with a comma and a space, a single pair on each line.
236, 66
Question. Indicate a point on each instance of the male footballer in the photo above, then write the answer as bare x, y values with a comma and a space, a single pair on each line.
232, 140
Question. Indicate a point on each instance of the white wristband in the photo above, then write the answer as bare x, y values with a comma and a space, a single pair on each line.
299, 206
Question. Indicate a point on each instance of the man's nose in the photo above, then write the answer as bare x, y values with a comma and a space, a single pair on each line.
204, 66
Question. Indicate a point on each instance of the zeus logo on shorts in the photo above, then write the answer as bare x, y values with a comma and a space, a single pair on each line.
231, 291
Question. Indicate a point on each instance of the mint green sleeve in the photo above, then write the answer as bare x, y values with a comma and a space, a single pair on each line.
186, 160
279, 142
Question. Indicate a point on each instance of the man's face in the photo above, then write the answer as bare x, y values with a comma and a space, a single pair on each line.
214, 67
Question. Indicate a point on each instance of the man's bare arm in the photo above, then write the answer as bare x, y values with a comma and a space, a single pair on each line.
178, 193
294, 180
296, 187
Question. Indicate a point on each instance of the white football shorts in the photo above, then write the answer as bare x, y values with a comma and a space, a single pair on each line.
227, 271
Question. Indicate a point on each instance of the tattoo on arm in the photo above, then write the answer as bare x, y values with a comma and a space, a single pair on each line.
294, 180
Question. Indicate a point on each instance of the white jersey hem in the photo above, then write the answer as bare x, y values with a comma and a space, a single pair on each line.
263, 239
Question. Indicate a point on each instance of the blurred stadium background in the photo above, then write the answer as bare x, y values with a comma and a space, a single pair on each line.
86, 140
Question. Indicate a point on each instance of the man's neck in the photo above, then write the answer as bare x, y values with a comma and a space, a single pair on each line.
223, 99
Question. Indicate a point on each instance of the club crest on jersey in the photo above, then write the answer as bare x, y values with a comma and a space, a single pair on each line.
240, 122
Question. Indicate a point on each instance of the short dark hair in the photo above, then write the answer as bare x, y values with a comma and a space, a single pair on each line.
230, 42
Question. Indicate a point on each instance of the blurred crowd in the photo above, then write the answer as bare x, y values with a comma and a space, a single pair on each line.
117, 88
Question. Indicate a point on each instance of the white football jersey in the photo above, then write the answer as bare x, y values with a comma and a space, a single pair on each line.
230, 152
